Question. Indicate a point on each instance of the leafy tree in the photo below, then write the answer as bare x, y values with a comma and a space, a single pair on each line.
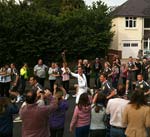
28, 32
70, 5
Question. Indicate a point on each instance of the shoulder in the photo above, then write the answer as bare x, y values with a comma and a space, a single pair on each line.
128, 106
146, 83
45, 66
36, 66
147, 108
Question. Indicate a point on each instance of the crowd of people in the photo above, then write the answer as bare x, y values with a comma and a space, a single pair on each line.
116, 107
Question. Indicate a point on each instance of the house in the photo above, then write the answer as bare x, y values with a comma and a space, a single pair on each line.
131, 27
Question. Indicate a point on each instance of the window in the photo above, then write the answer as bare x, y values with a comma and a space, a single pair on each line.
126, 44
146, 47
134, 45
130, 22
147, 23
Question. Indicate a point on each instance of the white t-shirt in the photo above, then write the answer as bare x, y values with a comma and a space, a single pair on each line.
40, 70
115, 108
97, 119
50, 72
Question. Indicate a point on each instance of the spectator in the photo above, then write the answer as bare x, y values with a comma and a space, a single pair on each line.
138, 67
6, 116
145, 67
66, 78
131, 79
24, 75
87, 71
136, 116
40, 71
80, 64
52, 77
81, 117
143, 85
35, 118
5, 79
97, 67
108, 71
115, 108
123, 74
15, 83
106, 87
33, 81
57, 118
115, 75
58, 83
97, 126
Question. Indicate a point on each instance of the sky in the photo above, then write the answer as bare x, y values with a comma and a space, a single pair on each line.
108, 2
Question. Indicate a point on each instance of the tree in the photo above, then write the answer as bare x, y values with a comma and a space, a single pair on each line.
70, 5
28, 33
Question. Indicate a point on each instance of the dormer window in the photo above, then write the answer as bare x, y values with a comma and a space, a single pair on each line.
130, 22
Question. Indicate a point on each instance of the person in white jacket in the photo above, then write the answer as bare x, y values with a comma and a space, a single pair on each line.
82, 83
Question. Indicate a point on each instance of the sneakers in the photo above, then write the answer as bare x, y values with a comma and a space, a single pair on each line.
74, 96
67, 96
19, 99
17, 119
126, 93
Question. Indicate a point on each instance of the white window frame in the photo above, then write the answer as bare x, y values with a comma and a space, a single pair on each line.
127, 45
130, 22
134, 45
130, 44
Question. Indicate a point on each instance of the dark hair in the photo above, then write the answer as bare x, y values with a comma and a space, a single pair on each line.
104, 75
25, 63
140, 74
35, 77
138, 99
120, 90
30, 99
100, 102
83, 101
4, 101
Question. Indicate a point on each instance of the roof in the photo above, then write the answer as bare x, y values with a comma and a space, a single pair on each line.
136, 8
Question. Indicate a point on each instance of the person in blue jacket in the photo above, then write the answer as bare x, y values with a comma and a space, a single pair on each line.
7, 110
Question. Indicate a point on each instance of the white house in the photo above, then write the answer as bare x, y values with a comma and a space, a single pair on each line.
131, 27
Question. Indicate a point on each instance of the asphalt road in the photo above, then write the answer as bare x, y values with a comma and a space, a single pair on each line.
71, 101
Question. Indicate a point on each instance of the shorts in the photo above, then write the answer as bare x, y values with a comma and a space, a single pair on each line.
58, 82
131, 76
15, 88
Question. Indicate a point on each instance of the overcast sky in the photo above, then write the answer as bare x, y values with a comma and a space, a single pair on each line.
108, 2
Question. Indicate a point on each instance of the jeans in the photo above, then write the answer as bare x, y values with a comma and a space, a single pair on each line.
98, 133
148, 132
66, 86
51, 84
82, 131
41, 81
57, 132
6, 135
117, 132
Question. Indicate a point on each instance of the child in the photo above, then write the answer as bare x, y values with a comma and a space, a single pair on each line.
97, 127
81, 117
57, 118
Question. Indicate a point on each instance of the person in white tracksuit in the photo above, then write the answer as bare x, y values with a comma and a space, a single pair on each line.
82, 83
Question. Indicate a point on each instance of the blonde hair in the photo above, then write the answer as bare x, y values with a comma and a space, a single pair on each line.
107, 63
